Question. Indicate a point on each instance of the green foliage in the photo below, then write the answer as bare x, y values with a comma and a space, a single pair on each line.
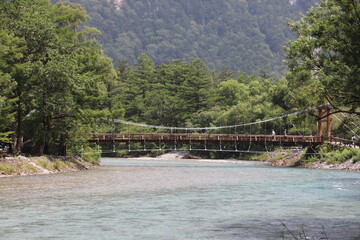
45, 164
242, 35
5, 137
252, 98
59, 165
187, 94
54, 164
55, 76
91, 155
338, 154
356, 154
261, 157
167, 94
310, 159
324, 58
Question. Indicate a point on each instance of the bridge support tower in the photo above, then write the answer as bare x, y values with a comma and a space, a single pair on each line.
324, 111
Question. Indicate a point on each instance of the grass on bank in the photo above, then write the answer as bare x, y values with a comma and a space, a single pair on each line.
44, 164
17, 166
333, 154
55, 164
6, 169
277, 154
327, 153
91, 155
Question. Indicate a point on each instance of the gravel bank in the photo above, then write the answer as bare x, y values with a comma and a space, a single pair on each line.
21, 165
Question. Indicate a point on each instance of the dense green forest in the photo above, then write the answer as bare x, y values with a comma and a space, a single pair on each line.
51, 75
244, 35
57, 85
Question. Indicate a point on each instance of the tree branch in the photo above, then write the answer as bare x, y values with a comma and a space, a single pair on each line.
338, 111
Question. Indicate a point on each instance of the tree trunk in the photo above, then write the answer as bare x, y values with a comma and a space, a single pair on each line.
62, 146
18, 136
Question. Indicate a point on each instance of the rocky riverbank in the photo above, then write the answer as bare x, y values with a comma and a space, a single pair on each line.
294, 159
279, 159
21, 165
348, 165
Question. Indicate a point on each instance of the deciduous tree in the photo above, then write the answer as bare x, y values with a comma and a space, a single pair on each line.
324, 59
58, 73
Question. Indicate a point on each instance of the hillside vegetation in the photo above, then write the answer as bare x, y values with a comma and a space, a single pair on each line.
244, 35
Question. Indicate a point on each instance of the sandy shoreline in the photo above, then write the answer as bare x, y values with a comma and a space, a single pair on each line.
182, 155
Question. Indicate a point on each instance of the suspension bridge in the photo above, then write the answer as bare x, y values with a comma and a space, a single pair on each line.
189, 138
220, 140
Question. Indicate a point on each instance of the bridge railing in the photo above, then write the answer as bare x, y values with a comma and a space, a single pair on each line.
217, 138
344, 141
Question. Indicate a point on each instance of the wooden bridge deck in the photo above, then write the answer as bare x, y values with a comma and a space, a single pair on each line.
286, 140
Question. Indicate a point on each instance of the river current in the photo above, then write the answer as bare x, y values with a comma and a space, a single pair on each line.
181, 199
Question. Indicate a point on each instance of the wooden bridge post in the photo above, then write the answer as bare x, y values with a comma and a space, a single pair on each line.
319, 124
326, 109
328, 123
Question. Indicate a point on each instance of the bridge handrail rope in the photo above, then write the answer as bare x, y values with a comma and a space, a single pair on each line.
154, 137
170, 149
212, 128
346, 141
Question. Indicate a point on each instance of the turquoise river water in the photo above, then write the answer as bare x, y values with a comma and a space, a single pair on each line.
181, 199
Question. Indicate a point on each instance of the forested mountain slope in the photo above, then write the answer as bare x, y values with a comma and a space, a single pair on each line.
245, 35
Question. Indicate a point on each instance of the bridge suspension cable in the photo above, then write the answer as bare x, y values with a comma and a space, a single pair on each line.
351, 121
212, 128
351, 130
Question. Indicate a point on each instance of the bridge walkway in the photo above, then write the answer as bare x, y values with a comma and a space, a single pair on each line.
284, 140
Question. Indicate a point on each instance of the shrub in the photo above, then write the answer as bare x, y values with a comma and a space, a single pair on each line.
91, 155
356, 154
122, 154
347, 154
339, 154
262, 157
45, 164
59, 165
310, 159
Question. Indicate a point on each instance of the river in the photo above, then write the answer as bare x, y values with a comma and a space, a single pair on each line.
181, 199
